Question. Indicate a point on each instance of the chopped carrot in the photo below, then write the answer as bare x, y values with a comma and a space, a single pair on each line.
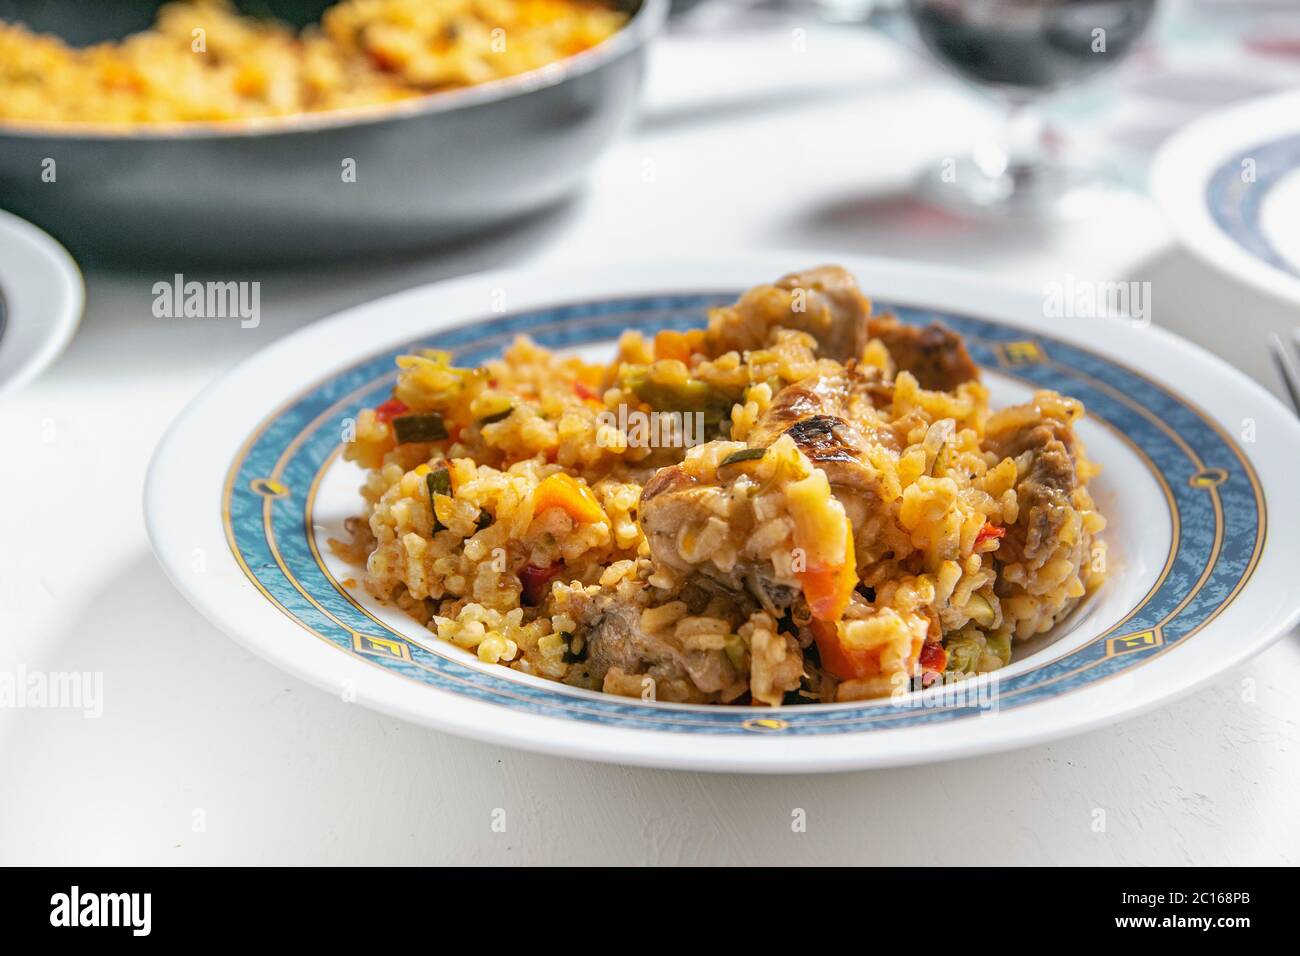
671, 344
840, 660
828, 588
573, 497
846, 662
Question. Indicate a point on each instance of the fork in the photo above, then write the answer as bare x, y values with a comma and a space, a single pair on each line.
1286, 367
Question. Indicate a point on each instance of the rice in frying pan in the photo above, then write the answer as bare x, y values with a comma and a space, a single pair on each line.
203, 61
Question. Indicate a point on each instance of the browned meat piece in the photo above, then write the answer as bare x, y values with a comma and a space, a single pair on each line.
615, 639
824, 302
665, 481
1046, 489
673, 500
845, 397
935, 355
818, 414
1031, 430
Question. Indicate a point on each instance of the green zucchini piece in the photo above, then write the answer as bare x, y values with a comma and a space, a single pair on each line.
439, 483
745, 454
413, 428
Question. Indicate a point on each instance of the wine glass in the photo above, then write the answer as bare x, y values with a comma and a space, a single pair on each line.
1020, 49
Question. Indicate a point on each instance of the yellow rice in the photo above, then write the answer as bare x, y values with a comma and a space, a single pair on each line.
203, 61
930, 575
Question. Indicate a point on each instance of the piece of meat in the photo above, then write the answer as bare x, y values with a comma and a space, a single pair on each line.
1046, 488
934, 354
825, 302
845, 397
675, 500
817, 415
615, 639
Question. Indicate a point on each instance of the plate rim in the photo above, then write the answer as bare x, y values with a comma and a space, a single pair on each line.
380, 690
49, 269
1180, 174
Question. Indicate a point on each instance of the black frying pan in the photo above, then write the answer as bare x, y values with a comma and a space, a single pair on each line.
429, 171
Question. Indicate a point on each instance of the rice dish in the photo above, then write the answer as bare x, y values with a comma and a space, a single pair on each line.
803, 502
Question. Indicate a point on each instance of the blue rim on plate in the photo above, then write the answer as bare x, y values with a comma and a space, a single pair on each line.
1235, 203
1216, 505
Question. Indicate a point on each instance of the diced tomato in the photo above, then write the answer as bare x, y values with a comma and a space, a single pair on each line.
536, 580
990, 531
390, 410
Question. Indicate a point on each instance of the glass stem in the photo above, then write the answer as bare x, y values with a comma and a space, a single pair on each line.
1026, 136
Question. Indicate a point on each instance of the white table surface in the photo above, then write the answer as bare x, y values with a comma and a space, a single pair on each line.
744, 146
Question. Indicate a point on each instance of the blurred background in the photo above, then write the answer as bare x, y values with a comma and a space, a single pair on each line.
984, 109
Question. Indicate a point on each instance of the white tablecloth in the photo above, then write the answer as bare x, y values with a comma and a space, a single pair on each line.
205, 754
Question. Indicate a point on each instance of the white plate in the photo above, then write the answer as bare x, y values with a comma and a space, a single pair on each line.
41, 296
1230, 187
247, 485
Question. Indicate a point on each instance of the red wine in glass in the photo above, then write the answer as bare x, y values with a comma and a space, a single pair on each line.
1021, 49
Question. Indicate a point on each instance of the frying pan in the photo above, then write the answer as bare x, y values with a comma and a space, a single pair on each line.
428, 171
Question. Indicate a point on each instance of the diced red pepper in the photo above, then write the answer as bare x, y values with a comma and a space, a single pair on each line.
390, 410
536, 580
933, 658
586, 392
989, 531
